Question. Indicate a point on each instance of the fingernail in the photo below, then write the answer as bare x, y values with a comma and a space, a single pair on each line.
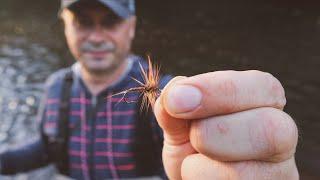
183, 98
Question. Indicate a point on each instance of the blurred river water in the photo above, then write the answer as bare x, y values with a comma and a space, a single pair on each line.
24, 67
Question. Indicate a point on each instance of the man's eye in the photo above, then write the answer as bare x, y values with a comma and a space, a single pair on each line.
110, 22
85, 23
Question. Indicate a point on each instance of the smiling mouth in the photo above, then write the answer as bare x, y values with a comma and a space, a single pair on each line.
98, 54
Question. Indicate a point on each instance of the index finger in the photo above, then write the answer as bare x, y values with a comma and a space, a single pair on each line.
222, 92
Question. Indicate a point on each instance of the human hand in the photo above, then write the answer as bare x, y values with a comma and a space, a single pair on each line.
227, 125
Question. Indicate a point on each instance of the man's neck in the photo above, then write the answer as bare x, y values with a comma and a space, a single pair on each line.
96, 83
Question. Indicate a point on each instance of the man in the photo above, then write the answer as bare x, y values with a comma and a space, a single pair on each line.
218, 125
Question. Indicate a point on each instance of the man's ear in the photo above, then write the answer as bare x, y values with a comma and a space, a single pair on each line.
62, 16
133, 23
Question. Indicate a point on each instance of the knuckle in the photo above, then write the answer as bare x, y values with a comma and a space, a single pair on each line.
276, 90
290, 138
280, 132
273, 87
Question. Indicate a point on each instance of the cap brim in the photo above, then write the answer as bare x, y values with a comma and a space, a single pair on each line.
117, 8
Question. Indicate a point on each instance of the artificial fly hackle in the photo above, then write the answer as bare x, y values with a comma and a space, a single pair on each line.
149, 89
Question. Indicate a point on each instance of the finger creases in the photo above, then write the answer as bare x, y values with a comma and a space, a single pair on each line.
198, 165
265, 134
222, 92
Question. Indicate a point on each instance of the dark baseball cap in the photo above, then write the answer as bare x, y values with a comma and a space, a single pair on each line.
123, 8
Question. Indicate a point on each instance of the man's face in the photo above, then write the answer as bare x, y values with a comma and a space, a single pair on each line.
97, 38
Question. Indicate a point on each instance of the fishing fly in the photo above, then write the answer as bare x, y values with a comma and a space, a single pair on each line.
149, 89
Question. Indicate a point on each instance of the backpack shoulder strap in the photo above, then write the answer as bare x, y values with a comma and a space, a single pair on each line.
63, 121
65, 105
56, 146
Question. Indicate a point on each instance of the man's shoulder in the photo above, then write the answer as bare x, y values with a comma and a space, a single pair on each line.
57, 77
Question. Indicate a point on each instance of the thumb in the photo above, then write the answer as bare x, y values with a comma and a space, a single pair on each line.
176, 131
176, 136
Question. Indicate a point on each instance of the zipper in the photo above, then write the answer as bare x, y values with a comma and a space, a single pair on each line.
94, 101
92, 118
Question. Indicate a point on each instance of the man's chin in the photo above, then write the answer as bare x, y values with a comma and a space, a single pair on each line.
99, 70
98, 55
93, 63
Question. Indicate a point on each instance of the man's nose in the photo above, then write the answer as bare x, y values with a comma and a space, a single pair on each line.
97, 34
